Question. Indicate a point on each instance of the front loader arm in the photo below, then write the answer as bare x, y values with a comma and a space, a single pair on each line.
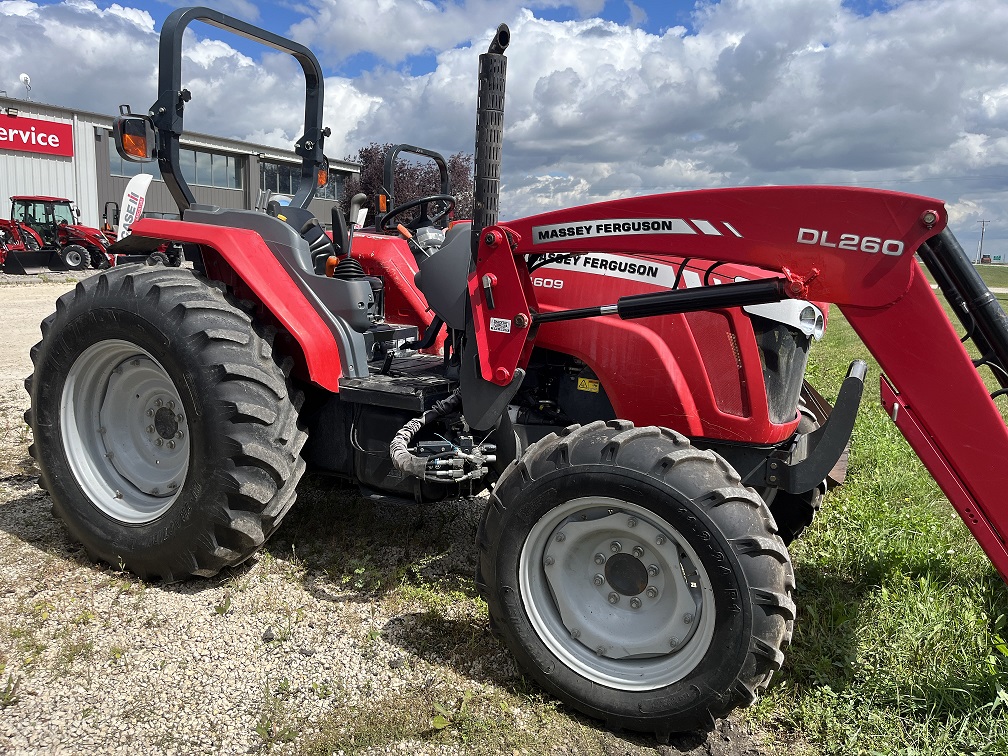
851, 247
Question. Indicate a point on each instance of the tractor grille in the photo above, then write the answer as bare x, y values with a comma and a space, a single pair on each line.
783, 354
719, 351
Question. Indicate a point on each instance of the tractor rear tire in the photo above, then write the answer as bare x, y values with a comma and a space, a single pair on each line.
165, 427
635, 578
74, 257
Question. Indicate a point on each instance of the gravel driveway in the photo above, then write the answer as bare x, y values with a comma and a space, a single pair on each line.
356, 630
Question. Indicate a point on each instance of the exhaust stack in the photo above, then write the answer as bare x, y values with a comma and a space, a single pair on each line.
489, 134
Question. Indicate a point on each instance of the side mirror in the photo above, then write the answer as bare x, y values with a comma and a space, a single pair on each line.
134, 137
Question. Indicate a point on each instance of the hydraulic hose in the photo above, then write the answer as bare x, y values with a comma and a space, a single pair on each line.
403, 459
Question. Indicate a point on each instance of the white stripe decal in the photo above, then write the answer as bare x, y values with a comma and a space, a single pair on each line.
706, 227
732, 229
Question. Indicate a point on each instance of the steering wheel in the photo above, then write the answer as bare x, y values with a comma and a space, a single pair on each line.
423, 219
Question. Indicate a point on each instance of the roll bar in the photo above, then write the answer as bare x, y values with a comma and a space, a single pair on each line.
166, 112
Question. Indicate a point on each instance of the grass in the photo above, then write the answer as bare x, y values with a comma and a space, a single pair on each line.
899, 644
995, 276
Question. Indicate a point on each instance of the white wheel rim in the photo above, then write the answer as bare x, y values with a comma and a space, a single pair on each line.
125, 431
660, 624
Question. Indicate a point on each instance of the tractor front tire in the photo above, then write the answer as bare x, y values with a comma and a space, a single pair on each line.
165, 428
635, 578
99, 260
74, 257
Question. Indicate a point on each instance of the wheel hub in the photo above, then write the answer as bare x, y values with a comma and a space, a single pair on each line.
125, 432
626, 574
165, 423
658, 618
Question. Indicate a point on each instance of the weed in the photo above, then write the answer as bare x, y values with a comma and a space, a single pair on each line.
8, 695
224, 605
322, 690
274, 724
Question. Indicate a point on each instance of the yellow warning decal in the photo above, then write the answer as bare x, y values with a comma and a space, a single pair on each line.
587, 384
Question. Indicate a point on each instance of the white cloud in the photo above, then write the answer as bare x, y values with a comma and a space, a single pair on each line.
911, 97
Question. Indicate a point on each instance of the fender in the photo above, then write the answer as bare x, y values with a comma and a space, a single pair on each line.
256, 267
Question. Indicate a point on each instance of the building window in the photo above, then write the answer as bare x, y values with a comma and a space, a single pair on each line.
284, 178
120, 167
198, 168
333, 190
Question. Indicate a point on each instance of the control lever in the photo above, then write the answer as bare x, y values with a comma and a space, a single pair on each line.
409, 239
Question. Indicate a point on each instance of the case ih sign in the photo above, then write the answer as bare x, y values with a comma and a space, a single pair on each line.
32, 135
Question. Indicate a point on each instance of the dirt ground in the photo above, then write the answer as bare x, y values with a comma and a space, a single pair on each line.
48, 579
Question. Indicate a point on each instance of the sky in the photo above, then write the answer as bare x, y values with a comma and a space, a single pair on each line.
605, 98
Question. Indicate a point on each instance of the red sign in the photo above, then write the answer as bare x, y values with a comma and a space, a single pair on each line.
33, 135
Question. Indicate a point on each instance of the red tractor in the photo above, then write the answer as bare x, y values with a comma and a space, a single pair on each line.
44, 232
625, 378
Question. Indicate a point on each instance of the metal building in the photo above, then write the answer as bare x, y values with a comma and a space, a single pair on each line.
47, 150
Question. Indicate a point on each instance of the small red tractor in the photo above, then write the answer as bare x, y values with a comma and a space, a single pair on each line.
625, 378
44, 232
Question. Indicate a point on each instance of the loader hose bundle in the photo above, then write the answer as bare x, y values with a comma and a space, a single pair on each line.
402, 457
451, 462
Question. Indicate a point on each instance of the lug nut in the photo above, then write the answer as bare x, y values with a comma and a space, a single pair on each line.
687, 618
635, 603
150, 428
548, 560
575, 633
560, 537
652, 570
614, 598
598, 580
600, 559
171, 405
150, 412
673, 641
660, 540
180, 418
171, 444
600, 650
632, 522
159, 403
615, 547
652, 592
638, 552
160, 442
180, 434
